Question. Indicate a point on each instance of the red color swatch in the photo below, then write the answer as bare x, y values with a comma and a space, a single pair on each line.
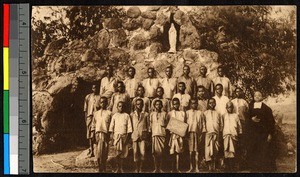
5, 25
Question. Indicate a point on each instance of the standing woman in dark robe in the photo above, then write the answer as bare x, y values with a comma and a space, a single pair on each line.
260, 125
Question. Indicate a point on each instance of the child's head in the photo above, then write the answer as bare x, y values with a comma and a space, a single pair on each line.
158, 105
139, 103
211, 104
229, 107
203, 70
176, 103
181, 87
239, 92
186, 70
131, 72
258, 97
120, 106
219, 89
109, 70
220, 71
103, 102
94, 88
140, 91
169, 71
201, 91
151, 72
194, 103
120, 87
159, 92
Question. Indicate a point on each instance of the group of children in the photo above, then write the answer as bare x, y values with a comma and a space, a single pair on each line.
165, 113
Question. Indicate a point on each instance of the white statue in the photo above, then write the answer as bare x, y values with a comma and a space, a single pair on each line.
172, 39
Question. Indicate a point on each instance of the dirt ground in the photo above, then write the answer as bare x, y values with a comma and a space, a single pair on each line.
284, 107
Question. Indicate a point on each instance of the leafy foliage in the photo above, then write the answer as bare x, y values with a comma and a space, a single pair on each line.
72, 22
258, 51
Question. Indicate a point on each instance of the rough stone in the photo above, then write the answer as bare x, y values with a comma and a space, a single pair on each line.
138, 42
133, 12
147, 24
155, 48
89, 55
112, 23
181, 18
118, 56
154, 32
100, 40
149, 14
118, 38
132, 24
162, 17
58, 83
189, 37
90, 73
55, 45
153, 8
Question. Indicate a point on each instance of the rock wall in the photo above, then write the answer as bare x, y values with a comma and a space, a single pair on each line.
64, 75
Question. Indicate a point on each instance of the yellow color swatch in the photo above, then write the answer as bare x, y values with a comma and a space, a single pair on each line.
5, 68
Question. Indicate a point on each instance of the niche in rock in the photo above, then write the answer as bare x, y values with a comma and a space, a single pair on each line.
165, 36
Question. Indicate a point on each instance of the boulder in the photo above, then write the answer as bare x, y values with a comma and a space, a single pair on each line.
118, 56
149, 14
162, 17
90, 73
154, 49
139, 57
133, 12
89, 55
189, 37
57, 84
101, 40
154, 32
55, 46
138, 42
153, 8
147, 24
132, 24
181, 18
118, 37
112, 23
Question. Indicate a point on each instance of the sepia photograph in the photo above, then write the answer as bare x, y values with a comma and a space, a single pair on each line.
164, 89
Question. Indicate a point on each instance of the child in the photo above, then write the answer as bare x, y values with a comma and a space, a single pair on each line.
213, 127
241, 108
184, 98
202, 101
90, 103
150, 84
158, 123
131, 83
140, 126
108, 83
221, 100
169, 83
121, 128
224, 81
195, 130
120, 95
202, 80
159, 96
176, 141
231, 130
102, 119
140, 95
187, 80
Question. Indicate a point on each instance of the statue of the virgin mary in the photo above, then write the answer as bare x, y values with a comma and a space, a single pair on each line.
172, 38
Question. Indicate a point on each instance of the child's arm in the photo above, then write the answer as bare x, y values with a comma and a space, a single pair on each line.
112, 124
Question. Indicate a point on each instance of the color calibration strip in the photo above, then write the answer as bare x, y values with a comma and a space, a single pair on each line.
6, 16
16, 100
